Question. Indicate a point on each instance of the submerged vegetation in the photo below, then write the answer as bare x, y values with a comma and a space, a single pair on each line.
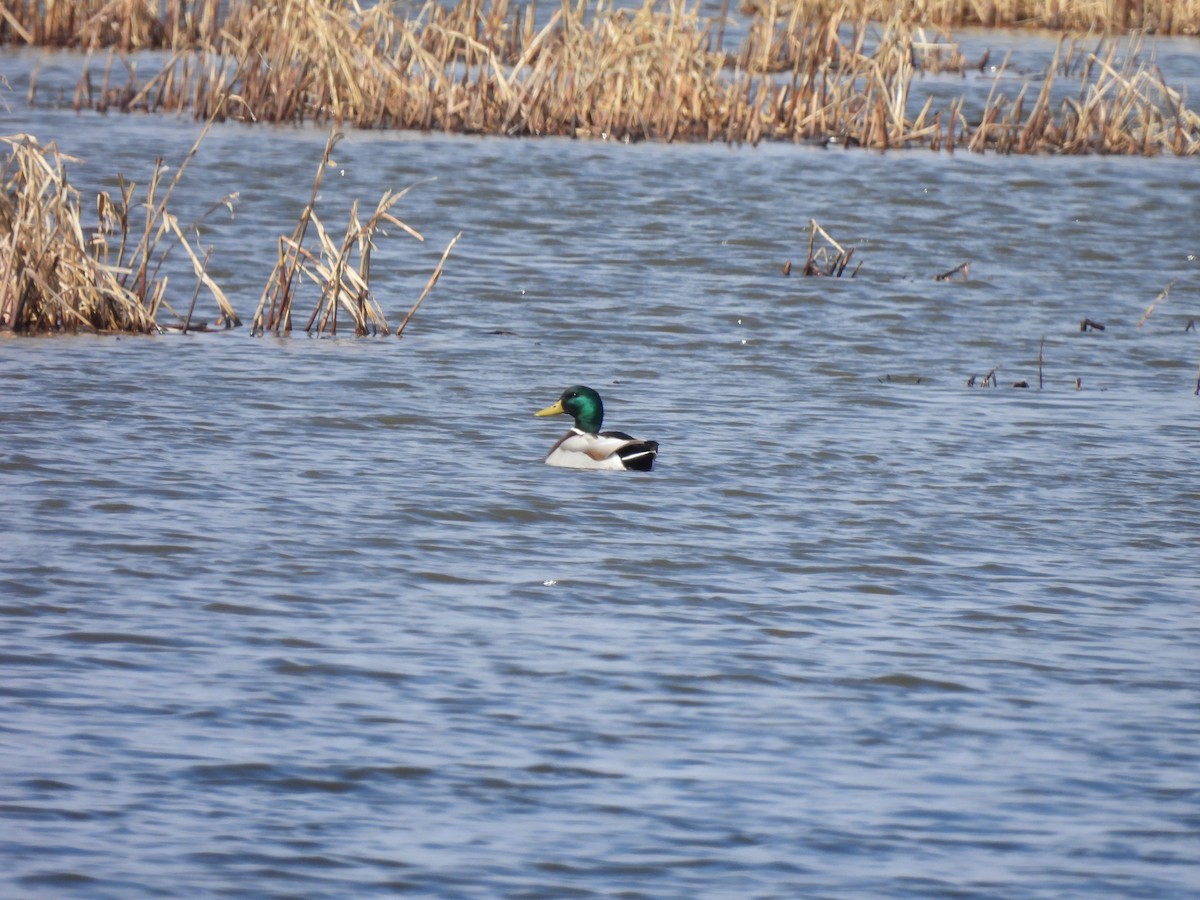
808, 70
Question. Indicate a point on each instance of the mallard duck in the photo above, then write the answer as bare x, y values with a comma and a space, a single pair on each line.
585, 446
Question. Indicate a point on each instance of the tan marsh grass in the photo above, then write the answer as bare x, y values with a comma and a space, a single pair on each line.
50, 278
1167, 17
339, 269
58, 275
124, 24
654, 72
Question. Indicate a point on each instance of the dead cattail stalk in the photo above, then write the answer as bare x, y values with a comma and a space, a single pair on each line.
1041, 351
343, 285
819, 261
433, 279
963, 269
1157, 300
988, 380
196, 293
278, 292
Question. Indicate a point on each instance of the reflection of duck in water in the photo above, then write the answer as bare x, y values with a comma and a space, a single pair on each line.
585, 446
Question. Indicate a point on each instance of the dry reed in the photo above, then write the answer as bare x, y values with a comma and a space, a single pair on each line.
1121, 106
827, 259
154, 24
433, 279
50, 279
58, 276
1041, 360
344, 284
124, 24
804, 72
962, 271
1168, 17
988, 380
1162, 295
55, 275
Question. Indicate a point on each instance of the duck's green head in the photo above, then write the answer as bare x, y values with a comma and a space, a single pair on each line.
581, 402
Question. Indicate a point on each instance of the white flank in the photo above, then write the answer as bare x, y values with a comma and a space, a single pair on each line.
587, 451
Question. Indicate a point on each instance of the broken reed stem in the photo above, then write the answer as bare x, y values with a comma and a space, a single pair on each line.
279, 288
433, 279
196, 293
1157, 300
835, 265
963, 268
1041, 351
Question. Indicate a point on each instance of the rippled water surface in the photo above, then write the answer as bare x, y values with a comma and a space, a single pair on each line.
310, 618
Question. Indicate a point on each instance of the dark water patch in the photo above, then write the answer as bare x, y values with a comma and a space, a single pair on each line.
48, 784
265, 775
145, 549
990, 618
389, 773
18, 659
17, 587
876, 589
328, 670
43, 813
107, 637
917, 683
569, 772
316, 785
236, 609
59, 880
787, 634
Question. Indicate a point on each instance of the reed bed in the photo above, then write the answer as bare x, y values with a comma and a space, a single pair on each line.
1167, 17
127, 25
177, 24
656, 72
803, 72
343, 283
58, 275
50, 280
1121, 106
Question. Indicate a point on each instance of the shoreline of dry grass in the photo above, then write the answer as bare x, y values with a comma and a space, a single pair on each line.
805, 72
1111, 17
130, 25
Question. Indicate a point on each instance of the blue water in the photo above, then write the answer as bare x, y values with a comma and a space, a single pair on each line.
310, 618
